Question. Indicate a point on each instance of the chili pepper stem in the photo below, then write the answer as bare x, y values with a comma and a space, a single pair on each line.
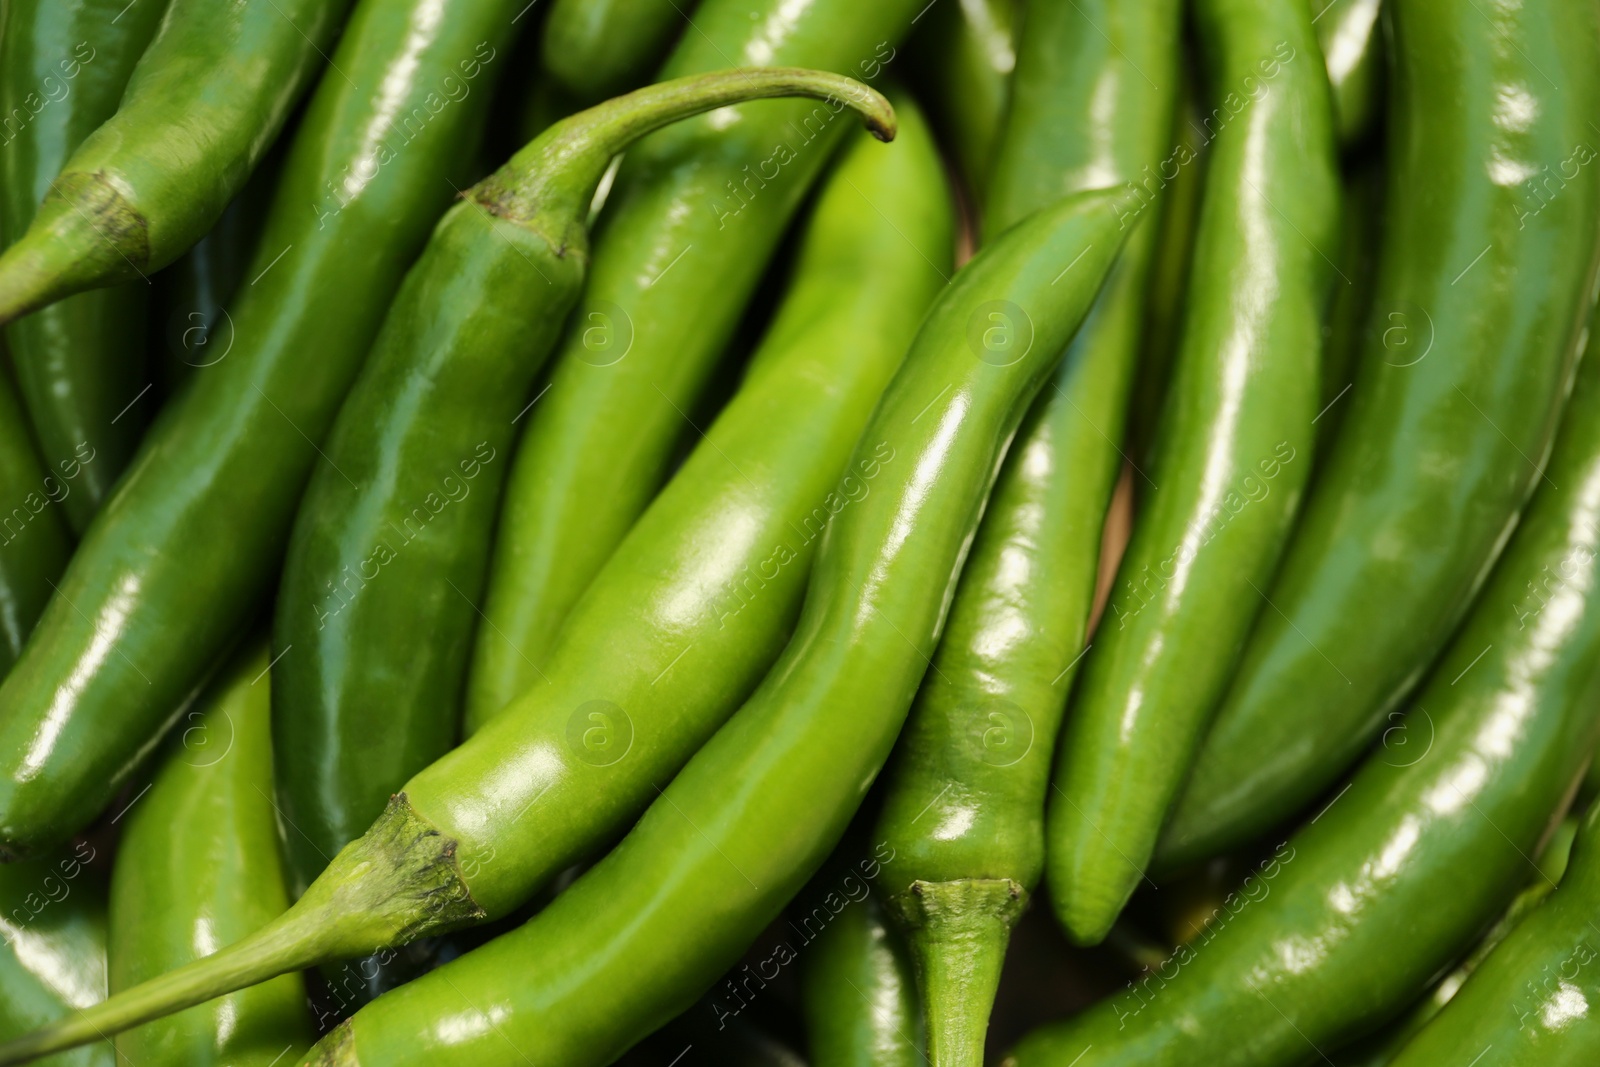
397, 882
555, 176
958, 933
84, 229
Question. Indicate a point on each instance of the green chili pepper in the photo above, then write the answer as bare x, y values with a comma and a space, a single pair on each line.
1423, 847
1230, 462
1530, 1000
1351, 41
1483, 289
966, 803
965, 51
53, 960
361, 706
189, 545
857, 991
1380, 1048
755, 812
63, 67
696, 213
598, 48
197, 868
202, 106
34, 543
679, 627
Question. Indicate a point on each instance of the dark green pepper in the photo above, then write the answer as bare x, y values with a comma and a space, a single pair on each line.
63, 67
197, 868
188, 547
201, 108
598, 48
1484, 284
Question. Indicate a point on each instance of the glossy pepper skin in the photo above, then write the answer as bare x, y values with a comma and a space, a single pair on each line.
426, 432
64, 65
197, 868
857, 992
34, 542
757, 810
201, 108
1351, 40
965, 807
1231, 459
1426, 845
965, 53
599, 48
687, 232
634, 692
53, 956
1531, 1001
189, 545
1482, 292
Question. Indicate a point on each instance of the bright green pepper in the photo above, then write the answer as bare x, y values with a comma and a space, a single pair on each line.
1350, 919
1531, 1000
598, 48
188, 547
757, 810
63, 67
858, 992
197, 868
34, 543
201, 108
53, 923
966, 804
696, 213
1231, 459
1484, 282
1351, 41
965, 52
679, 627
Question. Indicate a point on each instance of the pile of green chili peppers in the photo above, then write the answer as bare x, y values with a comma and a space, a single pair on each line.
766, 533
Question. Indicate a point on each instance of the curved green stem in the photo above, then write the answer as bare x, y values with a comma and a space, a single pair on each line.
395, 883
549, 183
958, 933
